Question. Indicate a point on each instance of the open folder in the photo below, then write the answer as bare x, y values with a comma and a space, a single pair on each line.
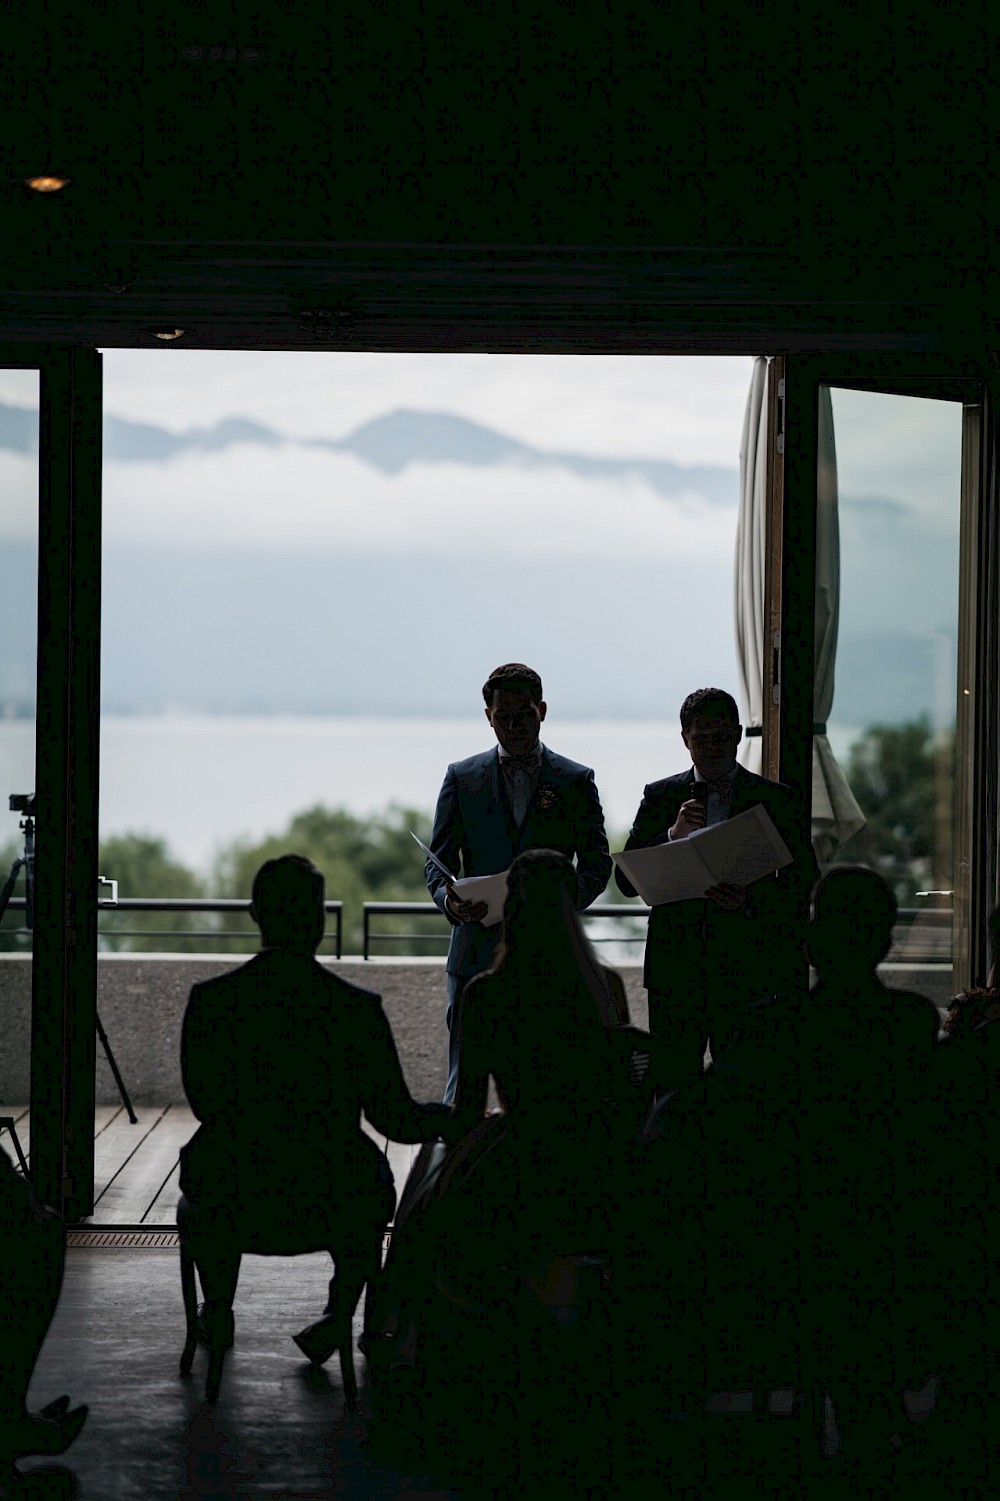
489, 889
739, 850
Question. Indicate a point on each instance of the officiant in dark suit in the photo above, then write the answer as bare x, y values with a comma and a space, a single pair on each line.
518, 796
708, 957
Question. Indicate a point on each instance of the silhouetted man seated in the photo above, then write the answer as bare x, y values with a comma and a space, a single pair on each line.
867, 1089
279, 1059
964, 1226
781, 1193
32, 1257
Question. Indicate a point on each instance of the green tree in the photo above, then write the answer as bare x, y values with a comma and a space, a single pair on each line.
363, 859
902, 777
143, 866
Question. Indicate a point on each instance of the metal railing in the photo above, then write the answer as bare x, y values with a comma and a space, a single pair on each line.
371, 910
208, 905
923, 935
927, 941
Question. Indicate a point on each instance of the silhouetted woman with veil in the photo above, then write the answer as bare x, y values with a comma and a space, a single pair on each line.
532, 1181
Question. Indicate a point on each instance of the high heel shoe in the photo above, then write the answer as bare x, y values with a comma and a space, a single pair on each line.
322, 1339
55, 1410
40, 1433
44, 1483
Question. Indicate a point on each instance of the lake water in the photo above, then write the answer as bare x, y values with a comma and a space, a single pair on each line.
200, 781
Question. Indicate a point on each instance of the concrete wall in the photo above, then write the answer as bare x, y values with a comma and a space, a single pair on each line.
141, 1000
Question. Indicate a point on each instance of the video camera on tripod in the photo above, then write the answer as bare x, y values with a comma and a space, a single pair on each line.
24, 803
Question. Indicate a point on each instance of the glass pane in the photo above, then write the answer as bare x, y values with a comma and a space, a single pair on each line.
893, 464
19, 391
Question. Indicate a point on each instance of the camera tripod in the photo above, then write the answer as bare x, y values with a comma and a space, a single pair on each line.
26, 862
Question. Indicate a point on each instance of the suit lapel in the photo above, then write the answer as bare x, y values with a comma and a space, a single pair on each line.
745, 793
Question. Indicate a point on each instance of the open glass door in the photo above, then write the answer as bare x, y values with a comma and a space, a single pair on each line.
873, 585
50, 528
19, 487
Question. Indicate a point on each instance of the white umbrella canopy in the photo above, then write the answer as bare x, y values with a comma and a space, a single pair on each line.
748, 582
835, 812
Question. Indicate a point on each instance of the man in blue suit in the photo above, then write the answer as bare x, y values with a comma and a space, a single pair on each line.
492, 806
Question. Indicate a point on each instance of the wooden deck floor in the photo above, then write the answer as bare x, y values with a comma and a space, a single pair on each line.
136, 1166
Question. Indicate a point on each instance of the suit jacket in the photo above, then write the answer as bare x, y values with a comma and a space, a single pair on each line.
279, 1058
757, 953
475, 830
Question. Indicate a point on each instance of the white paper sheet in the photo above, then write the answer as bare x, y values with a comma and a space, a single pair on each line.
489, 889
739, 850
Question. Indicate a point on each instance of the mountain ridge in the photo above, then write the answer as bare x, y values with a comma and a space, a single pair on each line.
390, 443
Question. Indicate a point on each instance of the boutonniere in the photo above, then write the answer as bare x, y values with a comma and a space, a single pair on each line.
548, 798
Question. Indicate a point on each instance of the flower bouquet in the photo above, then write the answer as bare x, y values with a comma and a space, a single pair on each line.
970, 1010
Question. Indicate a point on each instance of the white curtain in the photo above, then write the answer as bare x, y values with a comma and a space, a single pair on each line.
751, 541
835, 813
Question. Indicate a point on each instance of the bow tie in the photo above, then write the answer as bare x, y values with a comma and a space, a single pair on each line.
511, 764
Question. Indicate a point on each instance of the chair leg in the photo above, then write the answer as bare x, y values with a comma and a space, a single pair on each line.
218, 1268
347, 1372
218, 1326
334, 1332
190, 1310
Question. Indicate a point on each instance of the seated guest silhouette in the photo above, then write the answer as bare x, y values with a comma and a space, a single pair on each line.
785, 1199
32, 1257
537, 1177
279, 1059
518, 796
867, 1081
965, 1225
539, 1023
705, 958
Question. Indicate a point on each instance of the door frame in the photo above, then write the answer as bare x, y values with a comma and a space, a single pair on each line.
67, 772
789, 611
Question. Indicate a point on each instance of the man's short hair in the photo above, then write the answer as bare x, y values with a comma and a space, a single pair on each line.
857, 893
512, 676
856, 908
709, 701
287, 893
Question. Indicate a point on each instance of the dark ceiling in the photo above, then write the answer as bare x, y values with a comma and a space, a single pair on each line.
399, 176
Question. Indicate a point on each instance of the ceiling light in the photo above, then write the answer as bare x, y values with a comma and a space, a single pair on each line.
48, 183
166, 334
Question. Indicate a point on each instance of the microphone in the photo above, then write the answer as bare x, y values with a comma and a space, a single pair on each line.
699, 791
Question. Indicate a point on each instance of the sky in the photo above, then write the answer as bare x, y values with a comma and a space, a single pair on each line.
667, 560
689, 410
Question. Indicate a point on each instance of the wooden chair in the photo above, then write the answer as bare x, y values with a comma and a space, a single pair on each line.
215, 1247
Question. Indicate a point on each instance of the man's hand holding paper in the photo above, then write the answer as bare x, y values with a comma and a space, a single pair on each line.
719, 862
478, 898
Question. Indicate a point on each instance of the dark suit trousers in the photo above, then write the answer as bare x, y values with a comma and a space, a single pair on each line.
697, 1010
